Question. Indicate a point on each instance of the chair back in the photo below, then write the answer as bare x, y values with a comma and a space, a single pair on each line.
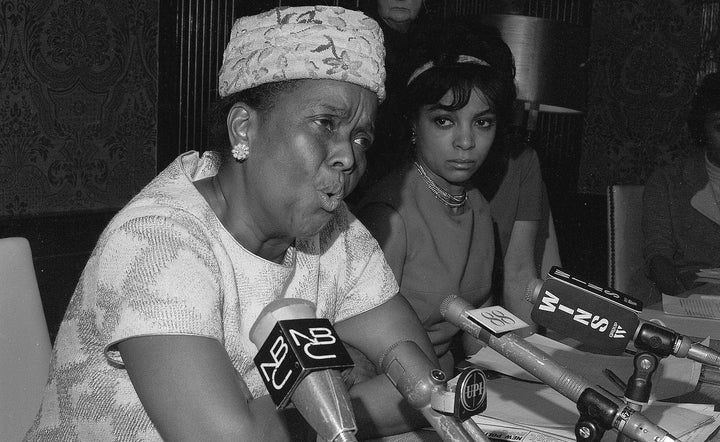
24, 340
625, 239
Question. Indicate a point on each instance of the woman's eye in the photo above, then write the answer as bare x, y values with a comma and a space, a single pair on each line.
485, 122
443, 122
326, 123
363, 142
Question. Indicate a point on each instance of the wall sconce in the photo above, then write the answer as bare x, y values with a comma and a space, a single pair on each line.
550, 60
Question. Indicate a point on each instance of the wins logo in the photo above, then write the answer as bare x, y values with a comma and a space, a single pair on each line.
551, 304
618, 332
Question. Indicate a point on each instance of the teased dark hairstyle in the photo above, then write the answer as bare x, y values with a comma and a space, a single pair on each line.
261, 98
444, 43
705, 101
460, 78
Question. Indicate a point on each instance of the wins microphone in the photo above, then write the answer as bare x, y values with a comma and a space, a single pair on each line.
625, 420
299, 358
605, 320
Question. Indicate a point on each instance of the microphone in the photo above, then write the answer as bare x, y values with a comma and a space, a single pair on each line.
299, 358
424, 387
613, 413
605, 320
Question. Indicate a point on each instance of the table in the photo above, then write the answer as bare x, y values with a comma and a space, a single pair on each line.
705, 392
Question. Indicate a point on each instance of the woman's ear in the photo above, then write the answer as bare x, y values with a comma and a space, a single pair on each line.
239, 121
412, 125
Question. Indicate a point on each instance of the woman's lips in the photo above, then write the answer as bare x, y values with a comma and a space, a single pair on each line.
331, 195
462, 164
330, 202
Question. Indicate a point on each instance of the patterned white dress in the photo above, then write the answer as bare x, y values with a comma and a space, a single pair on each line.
166, 265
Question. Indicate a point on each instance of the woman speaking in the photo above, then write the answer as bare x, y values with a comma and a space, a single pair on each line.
155, 344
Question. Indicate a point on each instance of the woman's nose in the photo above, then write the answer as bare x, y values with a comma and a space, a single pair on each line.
342, 156
464, 138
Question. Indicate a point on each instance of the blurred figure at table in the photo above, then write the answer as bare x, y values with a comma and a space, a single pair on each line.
681, 201
155, 343
433, 225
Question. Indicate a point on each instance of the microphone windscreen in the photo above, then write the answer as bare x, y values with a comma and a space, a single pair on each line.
533, 289
279, 310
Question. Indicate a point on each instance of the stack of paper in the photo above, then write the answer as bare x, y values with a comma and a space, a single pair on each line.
709, 275
695, 305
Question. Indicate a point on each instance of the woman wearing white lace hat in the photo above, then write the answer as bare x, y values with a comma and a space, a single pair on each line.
156, 340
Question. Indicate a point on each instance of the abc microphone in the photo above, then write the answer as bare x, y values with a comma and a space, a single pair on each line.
605, 320
299, 358
613, 414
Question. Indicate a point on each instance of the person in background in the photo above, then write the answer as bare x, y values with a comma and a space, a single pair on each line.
401, 22
681, 202
433, 226
155, 343
399, 15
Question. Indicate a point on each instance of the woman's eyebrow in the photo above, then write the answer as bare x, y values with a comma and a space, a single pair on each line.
485, 112
341, 112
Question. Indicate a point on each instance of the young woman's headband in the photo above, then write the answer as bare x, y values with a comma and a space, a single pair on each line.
461, 59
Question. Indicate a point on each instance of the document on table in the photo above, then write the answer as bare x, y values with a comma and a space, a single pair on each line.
522, 409
696, 306
687, 325
530, 412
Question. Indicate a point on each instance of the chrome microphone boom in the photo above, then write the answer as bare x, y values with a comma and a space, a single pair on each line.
625, 420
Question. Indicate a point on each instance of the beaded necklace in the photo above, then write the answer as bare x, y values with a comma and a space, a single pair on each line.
448, 199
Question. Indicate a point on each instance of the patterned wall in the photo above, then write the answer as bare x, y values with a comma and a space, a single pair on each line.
644, 57
78, 103
78, 98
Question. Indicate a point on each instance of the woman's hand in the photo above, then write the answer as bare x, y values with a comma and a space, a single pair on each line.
363, 370
518, 270
380, 409
663, 273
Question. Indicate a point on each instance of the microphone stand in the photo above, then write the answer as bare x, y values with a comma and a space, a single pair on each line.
597, 414
637, 391
654, 344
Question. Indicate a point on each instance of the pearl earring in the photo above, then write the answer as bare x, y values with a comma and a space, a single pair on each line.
413, 138
240, 151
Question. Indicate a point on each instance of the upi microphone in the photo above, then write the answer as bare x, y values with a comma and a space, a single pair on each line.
613, 413
605, 320
299, 358
424, 387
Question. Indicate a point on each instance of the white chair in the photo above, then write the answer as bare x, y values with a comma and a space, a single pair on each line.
625, 240
24, 340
